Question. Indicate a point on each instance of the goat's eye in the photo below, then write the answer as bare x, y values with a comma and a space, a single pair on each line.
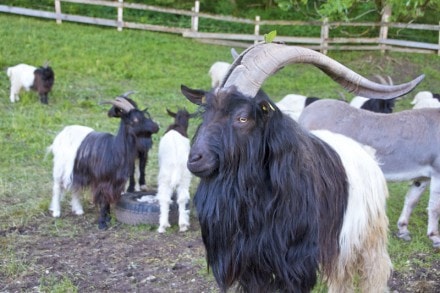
242, 119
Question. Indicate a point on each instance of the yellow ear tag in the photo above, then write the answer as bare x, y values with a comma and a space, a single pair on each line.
271, 107
264, 108
204, 100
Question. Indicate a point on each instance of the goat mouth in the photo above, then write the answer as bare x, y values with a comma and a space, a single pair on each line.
200, 170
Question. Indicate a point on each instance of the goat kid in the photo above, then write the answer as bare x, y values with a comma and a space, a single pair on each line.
269, 217
29, 77
84, 158
144, 143
174, 175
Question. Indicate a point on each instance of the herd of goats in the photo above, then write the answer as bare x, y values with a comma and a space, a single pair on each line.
286, 189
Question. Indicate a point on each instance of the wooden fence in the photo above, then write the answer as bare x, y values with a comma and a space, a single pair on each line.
323, 42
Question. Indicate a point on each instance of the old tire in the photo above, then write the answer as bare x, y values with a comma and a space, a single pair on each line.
129, 210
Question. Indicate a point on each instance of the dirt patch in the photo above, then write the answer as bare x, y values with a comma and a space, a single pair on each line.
130, 259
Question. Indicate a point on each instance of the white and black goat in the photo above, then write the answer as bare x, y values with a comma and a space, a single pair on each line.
173, 174
375, 105
276, 203
293, 104
406, 145
84, 158
144, 143
23, 76
426, 99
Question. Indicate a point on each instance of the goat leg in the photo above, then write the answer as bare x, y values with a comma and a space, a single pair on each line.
143, 159
434, 212
132, 182
104, 216
411, 199
43, 99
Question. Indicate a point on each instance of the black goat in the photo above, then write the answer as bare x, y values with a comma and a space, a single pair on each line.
101, 161
277, 203
143, 145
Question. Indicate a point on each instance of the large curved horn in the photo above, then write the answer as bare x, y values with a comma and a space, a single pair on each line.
255, 64
126, 94
121, 103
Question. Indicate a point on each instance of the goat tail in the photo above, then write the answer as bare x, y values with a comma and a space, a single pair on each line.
364, 235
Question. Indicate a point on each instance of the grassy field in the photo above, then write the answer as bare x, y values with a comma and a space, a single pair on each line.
94, 64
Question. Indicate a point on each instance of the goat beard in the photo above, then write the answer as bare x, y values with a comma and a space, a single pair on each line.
269, 208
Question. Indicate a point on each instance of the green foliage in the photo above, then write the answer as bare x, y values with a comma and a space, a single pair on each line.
348, 10
269, 37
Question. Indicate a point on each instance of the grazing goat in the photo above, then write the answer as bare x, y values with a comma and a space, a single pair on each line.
173, 173
143, 145
101, 161
29, 77
292, 105
426, 99
406, 145
277, 203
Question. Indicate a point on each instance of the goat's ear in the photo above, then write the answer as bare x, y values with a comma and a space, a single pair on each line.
267, 108
172, 114
194, 96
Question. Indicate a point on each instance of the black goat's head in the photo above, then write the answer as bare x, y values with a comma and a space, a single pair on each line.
44, 78
233, 126
181, 121
138, 122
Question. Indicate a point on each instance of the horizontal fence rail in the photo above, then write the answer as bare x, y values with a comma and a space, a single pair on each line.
323, 42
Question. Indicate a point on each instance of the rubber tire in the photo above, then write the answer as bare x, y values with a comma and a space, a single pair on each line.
129, 210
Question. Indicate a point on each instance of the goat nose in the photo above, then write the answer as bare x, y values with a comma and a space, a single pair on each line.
194, 157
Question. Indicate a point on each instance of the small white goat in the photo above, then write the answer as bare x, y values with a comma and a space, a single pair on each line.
426, 99
174, 175
30, 77
217, 72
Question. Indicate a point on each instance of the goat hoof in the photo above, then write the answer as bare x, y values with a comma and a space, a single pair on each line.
404, 236
183, 228
102, 226
56, 214
143, 188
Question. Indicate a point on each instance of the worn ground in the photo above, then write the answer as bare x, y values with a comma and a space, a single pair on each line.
128, 258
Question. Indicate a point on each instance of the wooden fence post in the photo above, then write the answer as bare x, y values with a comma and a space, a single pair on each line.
120, 15
195, 17
383, 33
58, 11
324, 36
257, 28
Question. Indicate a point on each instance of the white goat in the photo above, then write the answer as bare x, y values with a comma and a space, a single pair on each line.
292, 105
174, 175
426, 99
406, 145
217, 72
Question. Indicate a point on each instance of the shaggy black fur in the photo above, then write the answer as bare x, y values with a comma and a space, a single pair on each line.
104, 162
271, 198
44, 78
143, 145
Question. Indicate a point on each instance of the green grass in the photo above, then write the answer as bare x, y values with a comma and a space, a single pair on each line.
94, 64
